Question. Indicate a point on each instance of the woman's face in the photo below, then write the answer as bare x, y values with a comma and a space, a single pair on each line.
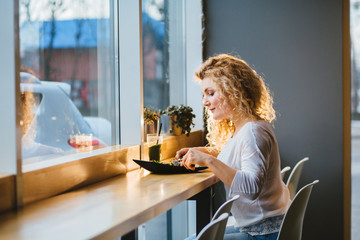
212, 101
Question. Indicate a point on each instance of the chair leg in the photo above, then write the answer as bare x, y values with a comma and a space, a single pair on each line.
203, 208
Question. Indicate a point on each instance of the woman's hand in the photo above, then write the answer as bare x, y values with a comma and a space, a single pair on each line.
195, 157
202, 157
181, 153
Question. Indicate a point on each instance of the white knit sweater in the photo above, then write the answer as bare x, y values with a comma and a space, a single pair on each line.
253, 151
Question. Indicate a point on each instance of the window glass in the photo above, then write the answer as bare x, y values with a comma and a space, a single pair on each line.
164, 40
67, 77
155, 53
164, 70
355, 118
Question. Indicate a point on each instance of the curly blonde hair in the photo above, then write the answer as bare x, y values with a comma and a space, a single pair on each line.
241, 88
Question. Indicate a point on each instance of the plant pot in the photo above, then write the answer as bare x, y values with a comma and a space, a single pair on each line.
183, 116
175, 130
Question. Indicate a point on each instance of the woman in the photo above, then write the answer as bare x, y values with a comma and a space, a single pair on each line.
243, 151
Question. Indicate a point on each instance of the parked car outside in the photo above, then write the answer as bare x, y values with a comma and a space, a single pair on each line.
51, 123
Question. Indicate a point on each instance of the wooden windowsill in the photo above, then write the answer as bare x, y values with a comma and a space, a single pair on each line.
7, 191
49, 178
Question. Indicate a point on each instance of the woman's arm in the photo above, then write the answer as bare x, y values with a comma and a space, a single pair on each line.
195, 156
225, 173
208, 150
249, 180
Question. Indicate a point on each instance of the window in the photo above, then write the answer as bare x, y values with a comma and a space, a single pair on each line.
155, 32
67, 52
83, 58
355, 117
172, 50
80, 87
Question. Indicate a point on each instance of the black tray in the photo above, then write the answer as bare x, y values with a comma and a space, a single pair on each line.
163, 168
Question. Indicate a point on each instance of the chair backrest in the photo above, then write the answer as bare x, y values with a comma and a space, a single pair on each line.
292, 224
283, 171
293, 180
209, 232
224, 208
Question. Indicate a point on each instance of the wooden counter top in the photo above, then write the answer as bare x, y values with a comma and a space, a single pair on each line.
106, 210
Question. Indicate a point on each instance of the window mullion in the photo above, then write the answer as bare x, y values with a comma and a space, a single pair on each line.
130, 67
10, 141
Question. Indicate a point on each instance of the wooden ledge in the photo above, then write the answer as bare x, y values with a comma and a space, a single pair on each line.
106, 210
7, 191
50, 181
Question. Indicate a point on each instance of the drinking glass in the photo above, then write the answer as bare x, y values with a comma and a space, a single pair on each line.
154, 144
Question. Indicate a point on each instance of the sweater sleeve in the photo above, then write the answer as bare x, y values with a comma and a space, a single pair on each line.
254, 152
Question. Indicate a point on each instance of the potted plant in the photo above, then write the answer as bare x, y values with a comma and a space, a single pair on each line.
151, 120
181, 119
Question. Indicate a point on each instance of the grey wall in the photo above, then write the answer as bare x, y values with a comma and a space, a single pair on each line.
297, 47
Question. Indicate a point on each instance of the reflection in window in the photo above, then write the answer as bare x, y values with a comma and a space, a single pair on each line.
66, 46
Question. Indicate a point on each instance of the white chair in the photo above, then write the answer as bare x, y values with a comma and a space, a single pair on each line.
292, 224
283, 171
210, 231
224, 208
293, 180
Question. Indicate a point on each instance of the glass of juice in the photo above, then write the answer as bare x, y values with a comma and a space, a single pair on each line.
154, 144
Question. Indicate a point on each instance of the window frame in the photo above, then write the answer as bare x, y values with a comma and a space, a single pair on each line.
10, 155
